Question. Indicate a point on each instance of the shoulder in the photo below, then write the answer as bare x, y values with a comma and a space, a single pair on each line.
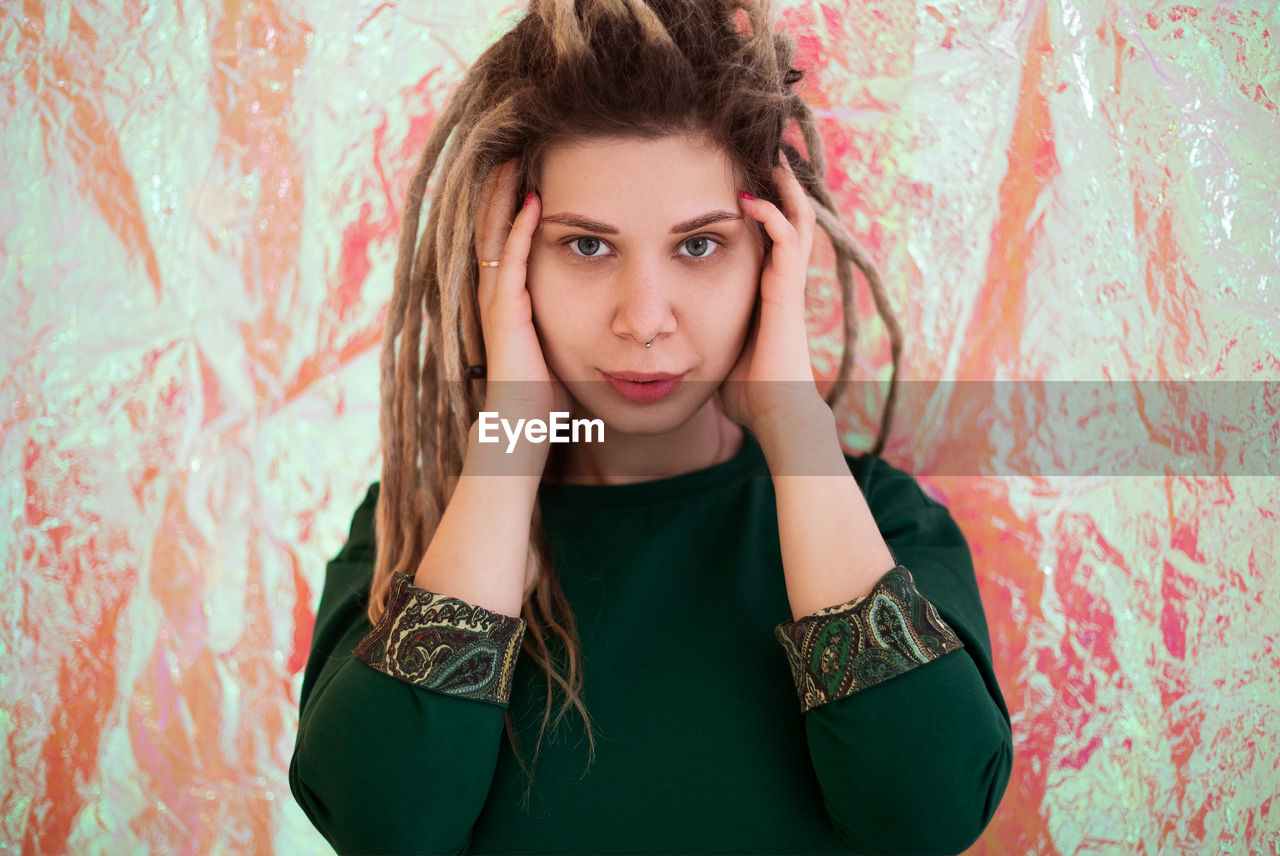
903, 510
360, 545
889, 488
349, 574
925, 538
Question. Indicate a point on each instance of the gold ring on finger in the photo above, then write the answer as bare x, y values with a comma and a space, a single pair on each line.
484, 263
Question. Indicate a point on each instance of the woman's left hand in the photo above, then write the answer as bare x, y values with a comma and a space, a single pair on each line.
773, 376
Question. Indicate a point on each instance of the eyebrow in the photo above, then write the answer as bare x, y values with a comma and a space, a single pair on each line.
577, 221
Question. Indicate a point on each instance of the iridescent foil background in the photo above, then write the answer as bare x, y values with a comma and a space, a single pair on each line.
198, 234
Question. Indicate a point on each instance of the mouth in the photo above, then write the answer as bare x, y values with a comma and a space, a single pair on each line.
643, 387
641, 377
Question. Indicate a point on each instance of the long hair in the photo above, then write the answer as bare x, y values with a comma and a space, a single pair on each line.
571, 70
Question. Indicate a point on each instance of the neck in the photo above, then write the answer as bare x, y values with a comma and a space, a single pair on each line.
705, 439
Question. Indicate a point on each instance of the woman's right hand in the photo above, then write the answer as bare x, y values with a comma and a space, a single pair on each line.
519, 383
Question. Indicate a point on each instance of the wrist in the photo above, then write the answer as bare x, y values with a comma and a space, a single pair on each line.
804, 418
802, 441
491, 451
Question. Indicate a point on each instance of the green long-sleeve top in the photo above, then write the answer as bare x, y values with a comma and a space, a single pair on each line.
722, 725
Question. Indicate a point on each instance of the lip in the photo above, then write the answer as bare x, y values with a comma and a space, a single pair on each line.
643, 387
641, 376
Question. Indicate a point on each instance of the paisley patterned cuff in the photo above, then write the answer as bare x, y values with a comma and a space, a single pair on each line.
842, 649
444, 644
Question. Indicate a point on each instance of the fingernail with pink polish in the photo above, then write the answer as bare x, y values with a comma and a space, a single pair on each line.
528, 199
745, 195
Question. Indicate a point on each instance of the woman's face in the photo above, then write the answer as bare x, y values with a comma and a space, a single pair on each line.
642, 238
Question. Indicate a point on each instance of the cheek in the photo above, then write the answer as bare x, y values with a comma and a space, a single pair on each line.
745, 297
541, 287
746, 292
552, 310
726, 318
562, 297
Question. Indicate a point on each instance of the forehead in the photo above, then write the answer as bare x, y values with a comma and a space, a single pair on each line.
636, 180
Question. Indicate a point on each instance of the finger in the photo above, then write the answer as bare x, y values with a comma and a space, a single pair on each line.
515, 253
497, 218
498, 213
786, 240
796, 204
487, 191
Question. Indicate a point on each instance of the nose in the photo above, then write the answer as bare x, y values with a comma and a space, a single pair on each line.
643, 303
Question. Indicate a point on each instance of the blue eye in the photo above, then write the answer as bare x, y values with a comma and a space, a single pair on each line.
590, 247
700, 247
586, 246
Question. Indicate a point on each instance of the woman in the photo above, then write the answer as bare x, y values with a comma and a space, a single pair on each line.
621, 233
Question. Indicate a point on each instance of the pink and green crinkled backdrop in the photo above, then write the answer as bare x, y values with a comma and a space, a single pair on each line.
199, 229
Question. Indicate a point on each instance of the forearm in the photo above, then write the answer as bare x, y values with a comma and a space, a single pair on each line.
479, 551
937, 740
832, 550
384, 766
910, 668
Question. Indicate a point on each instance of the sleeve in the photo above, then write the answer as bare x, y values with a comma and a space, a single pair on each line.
400, 724
908, 731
